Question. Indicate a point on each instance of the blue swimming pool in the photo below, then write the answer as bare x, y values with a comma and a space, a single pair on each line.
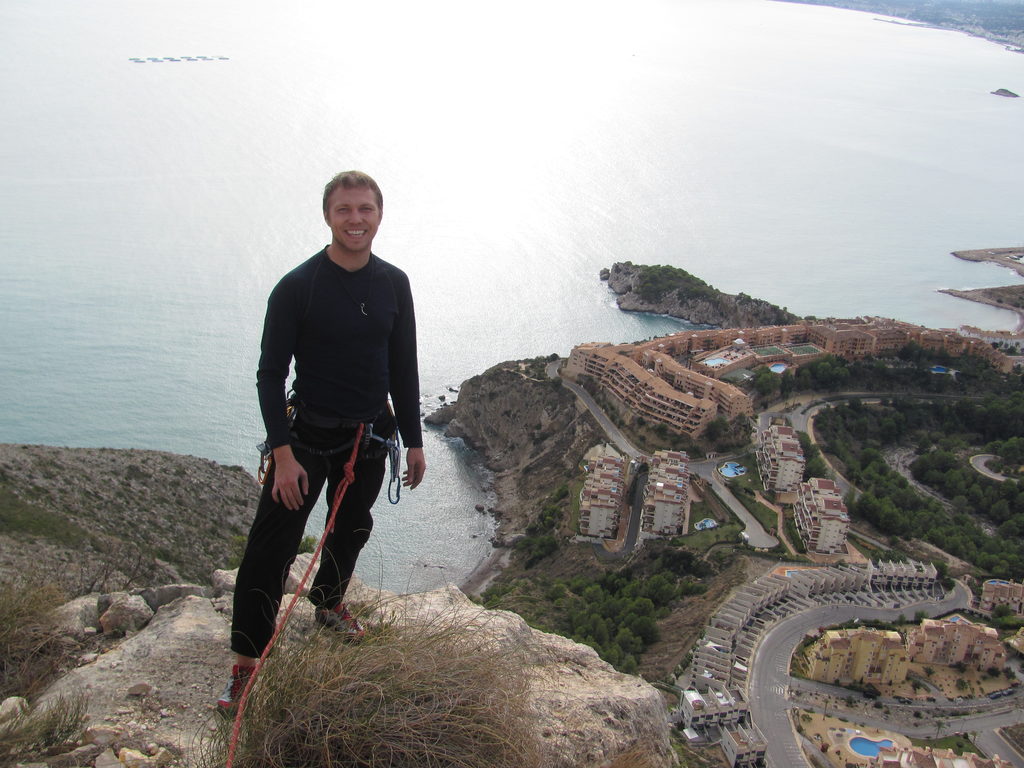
732, 469
714, 362
867, 747
778, 367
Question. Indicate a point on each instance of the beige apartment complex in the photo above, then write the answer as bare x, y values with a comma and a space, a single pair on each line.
675, 380
780, 459
859, 655
995, 592
821, 516
666, 507
601, 497
956, 640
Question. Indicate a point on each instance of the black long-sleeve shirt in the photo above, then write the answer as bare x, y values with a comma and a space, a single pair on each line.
353, 338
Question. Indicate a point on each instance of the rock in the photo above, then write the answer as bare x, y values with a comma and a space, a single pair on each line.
140, 689
79, 615
587, 713
126, 613
107, 759
1005, 92
13, 707
102, 735
132, 758
82, 755
160, 596
184, 647
224, 581
295, 574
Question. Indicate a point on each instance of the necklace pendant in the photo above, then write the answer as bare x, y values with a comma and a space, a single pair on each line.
362, 308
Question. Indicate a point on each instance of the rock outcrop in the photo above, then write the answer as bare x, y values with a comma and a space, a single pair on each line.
150, 698
531, 430
675, 292
103, 519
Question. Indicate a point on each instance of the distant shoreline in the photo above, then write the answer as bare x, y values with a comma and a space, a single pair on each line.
1012, 40
1010, 258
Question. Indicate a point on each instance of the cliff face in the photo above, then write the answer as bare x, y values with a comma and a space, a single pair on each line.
101, 519
689, 298
529, 428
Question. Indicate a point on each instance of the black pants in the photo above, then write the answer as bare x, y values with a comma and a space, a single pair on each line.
277, 532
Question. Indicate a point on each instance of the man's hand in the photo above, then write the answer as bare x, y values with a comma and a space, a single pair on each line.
291, 484
415, 466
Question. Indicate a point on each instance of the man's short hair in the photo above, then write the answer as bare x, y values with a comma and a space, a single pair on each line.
353, 180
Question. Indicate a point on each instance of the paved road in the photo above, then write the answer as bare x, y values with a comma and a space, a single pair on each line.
979, 461
756, 535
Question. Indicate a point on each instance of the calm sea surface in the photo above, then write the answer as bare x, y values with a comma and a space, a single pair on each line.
825, 160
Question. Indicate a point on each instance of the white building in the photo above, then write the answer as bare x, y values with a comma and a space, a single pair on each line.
666, 508
601, 498
780, 460
821, 516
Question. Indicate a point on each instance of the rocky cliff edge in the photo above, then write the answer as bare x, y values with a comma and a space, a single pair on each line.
150, 696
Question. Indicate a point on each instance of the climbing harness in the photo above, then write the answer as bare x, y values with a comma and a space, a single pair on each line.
339, 494
390, 445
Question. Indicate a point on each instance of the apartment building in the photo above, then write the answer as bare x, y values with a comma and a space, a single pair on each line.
780, 460
927, 757
859, 655
821, 516
889, 575
995, 592
744, 746
666, 506
601, 497
713, 708
956, 640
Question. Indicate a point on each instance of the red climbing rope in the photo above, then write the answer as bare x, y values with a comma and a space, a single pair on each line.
339, 494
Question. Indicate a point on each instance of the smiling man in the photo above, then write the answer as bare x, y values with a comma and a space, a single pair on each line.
346, 318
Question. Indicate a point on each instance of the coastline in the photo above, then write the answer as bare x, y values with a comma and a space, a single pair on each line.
1009, 258
486, 571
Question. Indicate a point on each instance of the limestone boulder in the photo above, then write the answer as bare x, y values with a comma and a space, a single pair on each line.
79, 615
126, 613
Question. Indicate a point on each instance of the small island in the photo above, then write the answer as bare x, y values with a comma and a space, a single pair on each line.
667, 290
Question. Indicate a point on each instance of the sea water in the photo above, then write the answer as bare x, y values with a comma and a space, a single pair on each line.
162, 166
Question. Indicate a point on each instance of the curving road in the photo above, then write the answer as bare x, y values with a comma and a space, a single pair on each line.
773, 692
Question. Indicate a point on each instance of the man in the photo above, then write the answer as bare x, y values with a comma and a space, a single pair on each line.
346, 318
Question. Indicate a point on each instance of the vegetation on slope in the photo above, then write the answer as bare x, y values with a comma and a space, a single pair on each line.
982, 519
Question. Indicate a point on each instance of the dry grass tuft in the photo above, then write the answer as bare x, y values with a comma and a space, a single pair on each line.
31, 648
24, 736
437, 694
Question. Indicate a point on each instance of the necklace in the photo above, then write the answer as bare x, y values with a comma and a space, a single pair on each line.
369, 288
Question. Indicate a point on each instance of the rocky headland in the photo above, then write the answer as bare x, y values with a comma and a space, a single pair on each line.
104, 519
675, 292
1009, 297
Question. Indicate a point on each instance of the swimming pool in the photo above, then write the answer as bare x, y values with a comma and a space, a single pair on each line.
867, 747
778, 367
714, 362
732, 469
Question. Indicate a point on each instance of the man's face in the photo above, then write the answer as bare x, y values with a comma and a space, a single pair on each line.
353, 216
